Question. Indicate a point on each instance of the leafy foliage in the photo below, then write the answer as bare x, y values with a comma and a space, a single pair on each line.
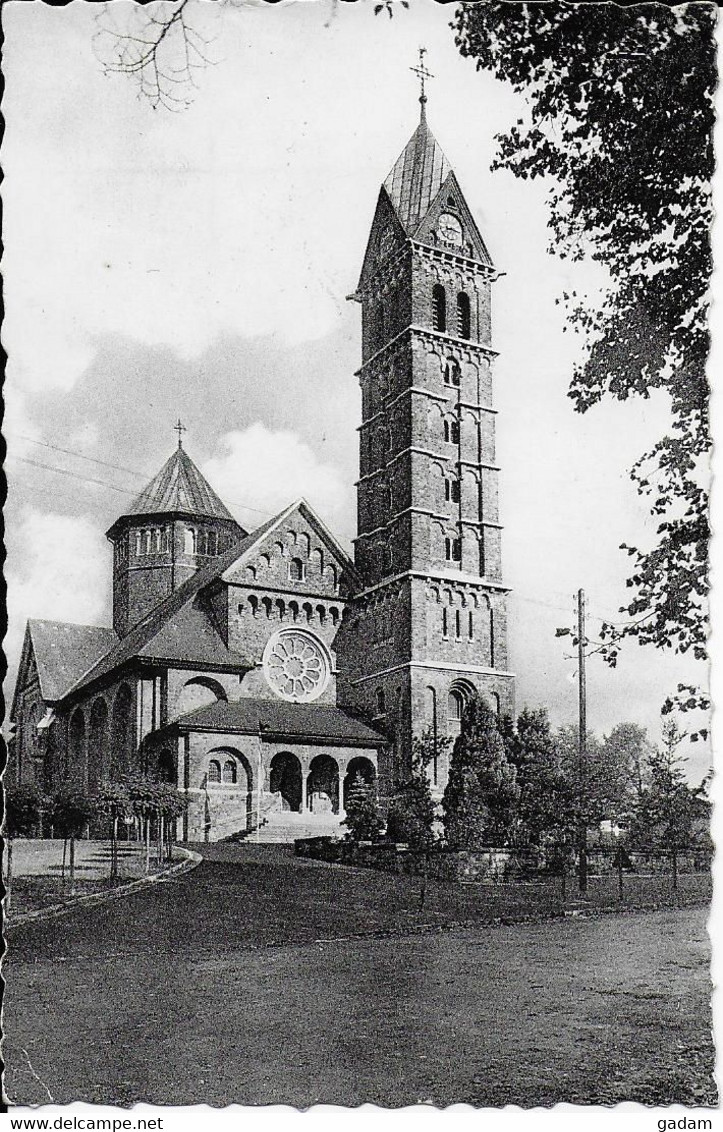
619, 118
23, 807
363, 816
70, 812
481, 793
670, 814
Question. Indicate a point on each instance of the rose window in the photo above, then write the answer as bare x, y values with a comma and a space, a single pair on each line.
296, 665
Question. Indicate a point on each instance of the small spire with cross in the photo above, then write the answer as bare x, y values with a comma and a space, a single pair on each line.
180, 429
422, 73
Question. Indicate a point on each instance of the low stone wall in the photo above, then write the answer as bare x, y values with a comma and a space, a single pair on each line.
484, 866
603, 861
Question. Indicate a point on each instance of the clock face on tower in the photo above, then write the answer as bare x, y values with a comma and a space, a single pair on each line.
450, 229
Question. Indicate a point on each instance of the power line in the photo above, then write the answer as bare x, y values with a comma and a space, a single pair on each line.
104, 483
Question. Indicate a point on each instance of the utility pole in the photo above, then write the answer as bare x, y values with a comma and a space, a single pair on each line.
582, 745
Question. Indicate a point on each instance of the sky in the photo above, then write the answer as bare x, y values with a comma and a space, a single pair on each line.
160, 264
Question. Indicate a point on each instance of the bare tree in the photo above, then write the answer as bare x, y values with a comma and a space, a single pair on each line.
158, 44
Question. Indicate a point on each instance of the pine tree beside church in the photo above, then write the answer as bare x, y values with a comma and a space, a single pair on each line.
481, 795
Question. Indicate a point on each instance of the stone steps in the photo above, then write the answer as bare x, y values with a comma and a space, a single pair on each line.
286, 828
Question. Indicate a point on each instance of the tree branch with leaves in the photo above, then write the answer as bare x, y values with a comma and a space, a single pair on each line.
618, 118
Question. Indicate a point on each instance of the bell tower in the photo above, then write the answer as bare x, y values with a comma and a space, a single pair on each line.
430, 622
173, 528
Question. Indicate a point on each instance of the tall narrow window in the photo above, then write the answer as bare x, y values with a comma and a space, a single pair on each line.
455, 709
492, 639
448, 549
296, 570
456, 549
214, 771
445, 626
229, 771
457, 623
470, 626
454, 432
464, 321
454, 491
439, 308
447, 490
447, 431
452, 372
381, 707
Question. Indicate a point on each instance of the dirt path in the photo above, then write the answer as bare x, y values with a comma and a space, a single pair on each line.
590, 1011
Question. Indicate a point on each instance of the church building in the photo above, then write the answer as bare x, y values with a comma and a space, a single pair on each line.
264, 671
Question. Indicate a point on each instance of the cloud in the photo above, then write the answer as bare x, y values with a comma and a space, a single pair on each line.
260, 471
61, 572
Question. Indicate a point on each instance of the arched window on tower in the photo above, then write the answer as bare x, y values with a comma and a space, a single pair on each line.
464, 320
452, 372
455, 709
381, 704
454, 491
439, 308
189, 540
454, 432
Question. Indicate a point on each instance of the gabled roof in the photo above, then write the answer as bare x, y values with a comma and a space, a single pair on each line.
278, 718
140, 640
312, 518
179, 628
180, 487
64, 652
416, 177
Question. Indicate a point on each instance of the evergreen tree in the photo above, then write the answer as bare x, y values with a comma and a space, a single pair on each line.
412, 811
481, 795
670, 814
363, 816
547, 805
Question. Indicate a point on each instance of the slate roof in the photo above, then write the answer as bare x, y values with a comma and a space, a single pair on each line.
179, 628
64, 652
154, 637
276, 717
417, 176
180, 487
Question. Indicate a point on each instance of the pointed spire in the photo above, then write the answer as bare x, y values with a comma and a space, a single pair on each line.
179, 487
417, 176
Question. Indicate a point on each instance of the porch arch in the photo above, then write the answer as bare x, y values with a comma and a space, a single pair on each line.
322, 785
359, 767
285, 779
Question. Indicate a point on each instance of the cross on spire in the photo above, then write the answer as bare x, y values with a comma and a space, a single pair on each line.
180, 429
422, 73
